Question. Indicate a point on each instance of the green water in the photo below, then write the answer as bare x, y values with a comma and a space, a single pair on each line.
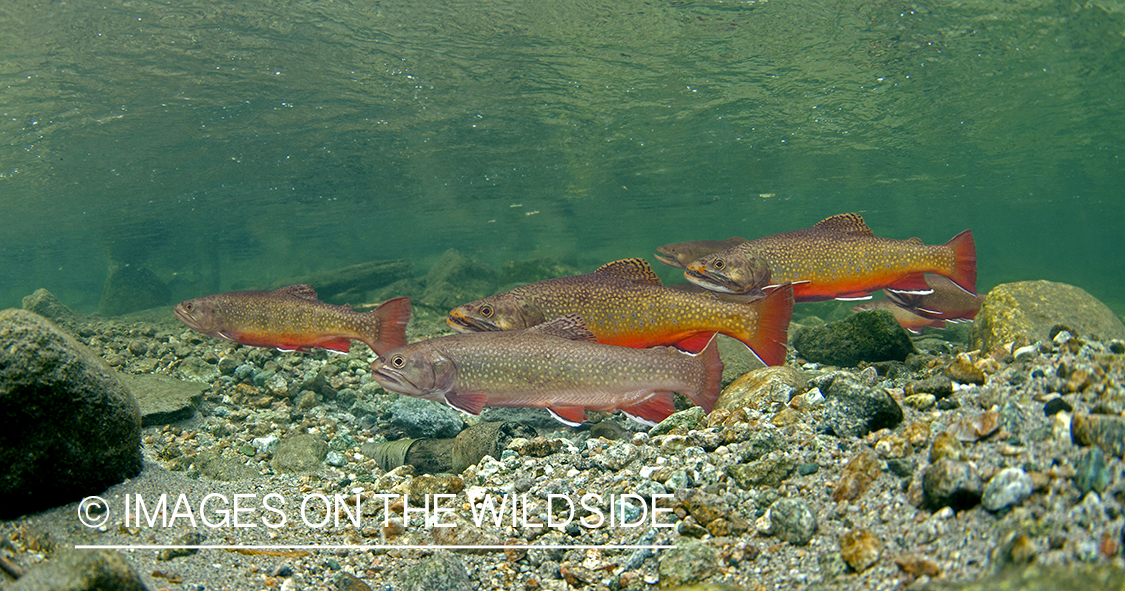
226, 144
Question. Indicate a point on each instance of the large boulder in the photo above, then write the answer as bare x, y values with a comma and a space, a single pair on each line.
82, 570
1025, 312
130, 288
456, 279
45, 304
68, 427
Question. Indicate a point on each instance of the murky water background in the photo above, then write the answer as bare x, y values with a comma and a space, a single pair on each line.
226, 145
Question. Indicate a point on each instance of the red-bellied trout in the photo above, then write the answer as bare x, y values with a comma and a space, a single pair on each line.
557, 365
623, 303
292, 319
947, 302
679, 254
840, 258
906, 318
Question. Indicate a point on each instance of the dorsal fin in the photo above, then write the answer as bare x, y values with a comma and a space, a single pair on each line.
303, 291
915, 240
848, 223
570, 327
635, 270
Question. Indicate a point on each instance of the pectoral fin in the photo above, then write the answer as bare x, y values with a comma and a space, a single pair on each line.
467, 403
572, 416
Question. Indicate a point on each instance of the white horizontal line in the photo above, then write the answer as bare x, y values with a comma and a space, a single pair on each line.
377, 547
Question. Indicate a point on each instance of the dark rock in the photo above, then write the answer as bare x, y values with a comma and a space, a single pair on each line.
1025, 313
82, 570
1055, 406
485, 439
870, 336
443, 571
346, 581
45, 304
951, 483
130, 288
424, 419
854, 409
902, 468
1092, 471
162, 399
456, 279
940, 386
68, 427
688, 562
299, 453
793, 520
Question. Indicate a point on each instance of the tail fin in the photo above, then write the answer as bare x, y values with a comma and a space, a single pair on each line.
713, 365
389, 329
772, 331
964, 261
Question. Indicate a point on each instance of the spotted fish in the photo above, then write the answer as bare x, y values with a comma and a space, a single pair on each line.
947, 302
840, 258
291, 318
906, 318
679, 254
624, 303
557, 365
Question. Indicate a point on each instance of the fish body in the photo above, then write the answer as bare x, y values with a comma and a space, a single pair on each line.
906, 318
840, 258
679, 254
557, 365
623, 303
947, 302
292, 319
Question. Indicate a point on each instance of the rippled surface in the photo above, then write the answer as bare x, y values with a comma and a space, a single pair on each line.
227, 145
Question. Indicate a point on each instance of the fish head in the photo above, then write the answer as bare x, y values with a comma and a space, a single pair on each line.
202, 315
670, 254
730, 271
500, 312
415, 370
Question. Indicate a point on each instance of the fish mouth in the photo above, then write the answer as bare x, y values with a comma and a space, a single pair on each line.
667, 260
461, 323
711, 282
187, 318
390, 380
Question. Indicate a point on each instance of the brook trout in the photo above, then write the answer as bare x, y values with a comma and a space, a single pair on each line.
292, 319
906, 318
557, 365
947, 302
623, 303
679, 254
839, 258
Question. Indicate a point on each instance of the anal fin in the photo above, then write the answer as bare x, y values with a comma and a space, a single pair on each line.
652, 410
571, 416
695, 343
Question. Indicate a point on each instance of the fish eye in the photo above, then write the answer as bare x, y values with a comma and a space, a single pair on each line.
487, 311
398, 362
719, 264
189, 306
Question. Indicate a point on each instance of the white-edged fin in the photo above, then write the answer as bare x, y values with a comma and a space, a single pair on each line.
777, 285
644, 422
222, 334
470, 404
571, 416
851, 298
571, 327
917, 292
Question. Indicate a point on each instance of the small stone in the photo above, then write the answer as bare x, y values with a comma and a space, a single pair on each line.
917, 433
916, 566
687, 563
1092, 471
335, 459
922, 402
938, 386
1008, 488
82, 569
1055, 406
901, 468
806, 468
1105, 431
950, 483
854, 409
299, 453
793, 521
618, 456
946, 446
346, 581
857, 475
963, 371
680, 423
760, 389
893, 446
860, 549
769, 471
442, 571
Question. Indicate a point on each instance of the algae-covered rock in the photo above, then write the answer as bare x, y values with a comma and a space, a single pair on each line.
1026, 311
68, 427
163, 399
688, 562
443, 571
82, 570
1102, 576
456, 279
45, 304
130, 288
870, 336
761, 388
300, 453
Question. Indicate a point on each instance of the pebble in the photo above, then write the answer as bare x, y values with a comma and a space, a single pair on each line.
860, 549
857, 475
1008, 488
951, 483
1105, 431
687, 563
1092, 471
793, 521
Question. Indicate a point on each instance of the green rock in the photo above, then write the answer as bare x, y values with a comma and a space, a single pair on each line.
689, 562
680, 423
443, 571
869, 336
163, 399
1035, 577
768, 472
299, 453
216, 467
130, 288
456, 279
82, 570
